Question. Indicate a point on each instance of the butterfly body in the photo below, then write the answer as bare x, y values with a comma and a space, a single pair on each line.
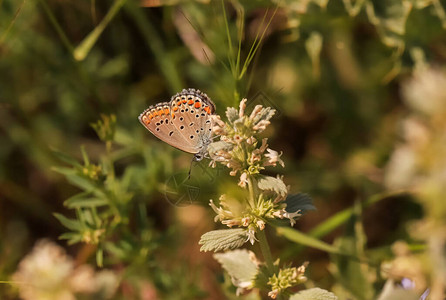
184, 122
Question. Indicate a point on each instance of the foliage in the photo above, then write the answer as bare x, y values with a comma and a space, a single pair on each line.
351, 91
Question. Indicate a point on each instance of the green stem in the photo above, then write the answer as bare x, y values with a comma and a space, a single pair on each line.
251, 192
57, 27
266, 252
85, 46
8, 29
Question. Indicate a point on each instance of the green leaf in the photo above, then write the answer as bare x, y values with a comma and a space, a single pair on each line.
239, 265
314, 294
301, 238
63, 170
352, 274
100, 257
72, 237
85, 46
296, 202
81, 182
69, 223
75, 179
66, 158
268, 183
83, 200
224, 239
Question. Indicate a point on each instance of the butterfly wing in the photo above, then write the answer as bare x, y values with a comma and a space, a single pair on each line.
191, 110
158, 120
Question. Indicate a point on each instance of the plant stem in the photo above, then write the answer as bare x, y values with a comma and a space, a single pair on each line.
251, 191
57, 27
85, 46
266, 252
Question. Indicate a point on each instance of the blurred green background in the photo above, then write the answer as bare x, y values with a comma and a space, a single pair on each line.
333, 70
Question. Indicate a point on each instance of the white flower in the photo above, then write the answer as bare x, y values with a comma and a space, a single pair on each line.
426, 92
245, 221
251, 233
255, 111
273, 294
243, 180
48, 273
222, 214
283, 214
251, 140
218, 126
401, 169
261, 125
242, 108
273, 158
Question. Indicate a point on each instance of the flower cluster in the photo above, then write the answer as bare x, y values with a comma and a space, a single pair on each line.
418, 164
286, 278
48, 273
240, 150
405, 267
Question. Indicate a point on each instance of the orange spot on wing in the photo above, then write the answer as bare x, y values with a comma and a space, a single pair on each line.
207, 109
175, 108
184, 101
197, 105
190, 102
179, 103
150, 116
173, 115
166, 111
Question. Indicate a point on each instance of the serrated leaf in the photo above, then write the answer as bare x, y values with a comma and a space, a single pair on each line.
299, 202
232, 114
239, 265
225, 239
74, 225
268, 183
314, 294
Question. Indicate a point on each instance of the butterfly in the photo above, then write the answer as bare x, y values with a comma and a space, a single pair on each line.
184, 122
